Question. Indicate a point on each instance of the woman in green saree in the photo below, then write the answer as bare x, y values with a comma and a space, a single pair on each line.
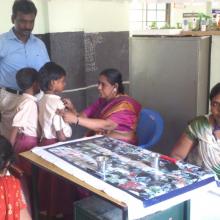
200, 142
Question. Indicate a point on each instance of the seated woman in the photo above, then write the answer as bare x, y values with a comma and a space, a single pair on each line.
200, 142
114, 114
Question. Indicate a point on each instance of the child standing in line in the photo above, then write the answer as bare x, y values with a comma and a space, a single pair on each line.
13, 202
52, 82
24, 133
56, 196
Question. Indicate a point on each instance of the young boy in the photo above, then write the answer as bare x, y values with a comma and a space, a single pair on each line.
52, 82
56, 195
24, 133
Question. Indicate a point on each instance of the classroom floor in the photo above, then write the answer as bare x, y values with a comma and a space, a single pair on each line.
44, 217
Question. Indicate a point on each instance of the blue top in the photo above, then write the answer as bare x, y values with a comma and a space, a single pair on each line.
14, 55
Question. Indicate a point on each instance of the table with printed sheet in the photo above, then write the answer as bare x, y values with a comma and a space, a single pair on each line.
131, 180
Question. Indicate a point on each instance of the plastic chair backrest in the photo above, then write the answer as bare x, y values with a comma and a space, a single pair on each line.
150, 128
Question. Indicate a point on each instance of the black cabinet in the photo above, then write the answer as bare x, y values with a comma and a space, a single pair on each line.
94, 208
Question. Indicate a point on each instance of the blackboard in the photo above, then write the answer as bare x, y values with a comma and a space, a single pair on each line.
84, 56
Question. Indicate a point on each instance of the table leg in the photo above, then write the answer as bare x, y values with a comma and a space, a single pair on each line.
187, 210
125, 213
35, 171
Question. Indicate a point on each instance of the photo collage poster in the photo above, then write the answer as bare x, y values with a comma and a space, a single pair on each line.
131, 168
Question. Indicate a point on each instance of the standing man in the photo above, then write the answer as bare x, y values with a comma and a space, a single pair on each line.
18, 49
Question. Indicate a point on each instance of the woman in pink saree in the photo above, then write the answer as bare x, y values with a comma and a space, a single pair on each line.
114, 114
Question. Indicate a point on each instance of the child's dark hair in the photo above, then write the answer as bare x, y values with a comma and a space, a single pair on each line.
50, 71
6, 152
214, 91
25, 78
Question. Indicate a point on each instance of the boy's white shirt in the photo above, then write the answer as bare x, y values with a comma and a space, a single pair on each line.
26, 117
50, 122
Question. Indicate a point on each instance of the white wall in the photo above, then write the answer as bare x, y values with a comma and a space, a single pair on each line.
5, 15
41, 23
73, 15
101, 16
65, 17
88, 15
215, 64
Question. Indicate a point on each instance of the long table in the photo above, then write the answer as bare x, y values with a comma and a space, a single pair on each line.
40, 163
78, 158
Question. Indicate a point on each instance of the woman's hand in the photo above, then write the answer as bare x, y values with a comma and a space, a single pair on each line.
90, 123
69, 105
68, 116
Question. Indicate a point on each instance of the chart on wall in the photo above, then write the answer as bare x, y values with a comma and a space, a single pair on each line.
104, 50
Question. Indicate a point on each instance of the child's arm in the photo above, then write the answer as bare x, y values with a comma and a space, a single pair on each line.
63, 130
60, 135
61, 127
13, 135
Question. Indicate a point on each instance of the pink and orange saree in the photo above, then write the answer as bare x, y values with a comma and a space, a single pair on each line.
123, 110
